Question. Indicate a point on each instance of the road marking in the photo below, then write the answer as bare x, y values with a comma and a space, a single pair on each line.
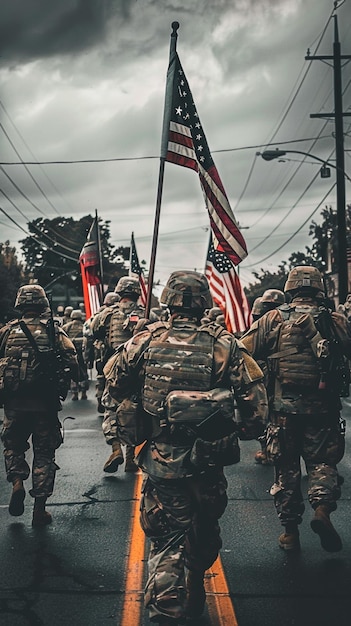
219, 604
133, 598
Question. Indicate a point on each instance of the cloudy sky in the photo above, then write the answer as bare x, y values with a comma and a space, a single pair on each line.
84, 80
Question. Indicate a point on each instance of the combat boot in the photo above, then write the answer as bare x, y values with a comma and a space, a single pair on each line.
100, 407
130, 466
84, 395
115, 459
290, 540
322, 526
16, 506
41, 517
196, 595
74, 396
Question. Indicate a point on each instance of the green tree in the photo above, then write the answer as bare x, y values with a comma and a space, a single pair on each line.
324, 238
11, 278
52, 252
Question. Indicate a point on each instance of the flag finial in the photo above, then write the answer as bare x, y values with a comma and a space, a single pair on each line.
175, 26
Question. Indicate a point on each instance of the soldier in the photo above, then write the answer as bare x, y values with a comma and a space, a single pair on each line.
67, 314
38, 361
93, 349
187, 371
113, 328
303, 344
74, 330
270, 299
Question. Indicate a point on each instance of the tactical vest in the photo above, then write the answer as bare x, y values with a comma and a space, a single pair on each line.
122, 323
74, 330
22, 366
295, 365
176, 364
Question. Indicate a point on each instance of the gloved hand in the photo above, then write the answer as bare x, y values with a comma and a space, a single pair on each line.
225, 451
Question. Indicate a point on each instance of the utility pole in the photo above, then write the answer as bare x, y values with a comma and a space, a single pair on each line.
338, 115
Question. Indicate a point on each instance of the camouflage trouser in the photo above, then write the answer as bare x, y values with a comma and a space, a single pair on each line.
181, 519
109, 426
100, 380
317, 440
18, 426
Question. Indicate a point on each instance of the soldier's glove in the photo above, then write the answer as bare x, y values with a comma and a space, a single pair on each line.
225, 451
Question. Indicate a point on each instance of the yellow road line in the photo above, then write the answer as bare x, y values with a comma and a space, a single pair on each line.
133, 599
219, 604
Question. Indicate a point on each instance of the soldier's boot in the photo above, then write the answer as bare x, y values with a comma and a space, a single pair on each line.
322, 526
196, 594
84, 395
74, 395
130, 466
290, 539
16, 506
41, 517
115, 459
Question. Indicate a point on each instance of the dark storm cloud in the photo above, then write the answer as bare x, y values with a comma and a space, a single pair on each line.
35, 29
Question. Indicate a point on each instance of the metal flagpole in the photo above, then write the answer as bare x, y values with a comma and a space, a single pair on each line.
164, 143
100, 256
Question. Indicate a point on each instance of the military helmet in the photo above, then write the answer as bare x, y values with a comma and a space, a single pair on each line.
304, 277
68, 310
214, 312
111, 298
31, 295
275, 296
128, 284
257, 308
76, 314
187, 290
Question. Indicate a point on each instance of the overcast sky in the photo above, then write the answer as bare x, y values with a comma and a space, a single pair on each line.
85, 79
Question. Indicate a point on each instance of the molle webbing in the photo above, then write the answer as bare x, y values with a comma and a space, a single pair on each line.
173, 365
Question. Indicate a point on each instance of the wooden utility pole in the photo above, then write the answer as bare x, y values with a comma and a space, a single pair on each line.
338, 115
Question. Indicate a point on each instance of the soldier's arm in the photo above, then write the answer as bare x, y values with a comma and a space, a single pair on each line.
250, 393
68, 354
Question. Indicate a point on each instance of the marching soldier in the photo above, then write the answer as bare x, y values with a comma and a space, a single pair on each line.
113, 328
37, 362
184, 372
304, 346
74, 330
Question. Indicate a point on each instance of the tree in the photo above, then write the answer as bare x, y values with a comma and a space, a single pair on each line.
324, 237
52, 252
11, 278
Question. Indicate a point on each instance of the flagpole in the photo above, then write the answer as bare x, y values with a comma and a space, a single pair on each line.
100, 255
165, 129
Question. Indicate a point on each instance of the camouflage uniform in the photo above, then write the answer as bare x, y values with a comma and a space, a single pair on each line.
110, 329
182, 502
305, 415
31, 409
74, 330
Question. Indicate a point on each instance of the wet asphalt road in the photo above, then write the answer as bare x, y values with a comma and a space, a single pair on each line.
73, 572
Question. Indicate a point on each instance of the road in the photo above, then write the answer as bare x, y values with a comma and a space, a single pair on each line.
88, 567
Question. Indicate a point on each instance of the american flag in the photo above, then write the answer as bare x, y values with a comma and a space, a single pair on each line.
89, 261
135, 268
184, 143
227, 292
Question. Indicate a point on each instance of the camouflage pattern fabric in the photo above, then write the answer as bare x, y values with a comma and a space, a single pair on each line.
319, 443
306, 426
181, 520
46, 438
181, 506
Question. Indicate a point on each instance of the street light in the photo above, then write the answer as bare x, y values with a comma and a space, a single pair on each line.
269, 155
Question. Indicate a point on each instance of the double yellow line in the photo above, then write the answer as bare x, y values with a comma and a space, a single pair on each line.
219, 604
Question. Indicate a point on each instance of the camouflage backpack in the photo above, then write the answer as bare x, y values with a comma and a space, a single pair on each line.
20, 366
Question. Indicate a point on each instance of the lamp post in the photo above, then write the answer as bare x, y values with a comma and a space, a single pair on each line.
341, 252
